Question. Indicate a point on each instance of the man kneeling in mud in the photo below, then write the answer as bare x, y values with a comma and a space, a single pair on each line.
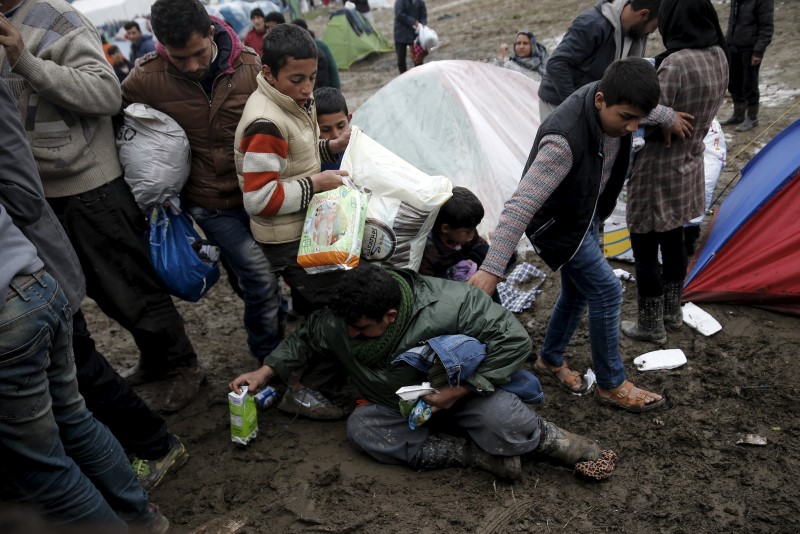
379, 314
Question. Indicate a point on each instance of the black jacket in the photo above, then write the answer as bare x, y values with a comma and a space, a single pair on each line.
406, 13
593, 41
558, 228
750, 25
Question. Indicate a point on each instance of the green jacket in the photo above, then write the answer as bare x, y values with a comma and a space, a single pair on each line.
441, 307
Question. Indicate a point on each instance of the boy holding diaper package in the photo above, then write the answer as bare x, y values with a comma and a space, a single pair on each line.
278, 155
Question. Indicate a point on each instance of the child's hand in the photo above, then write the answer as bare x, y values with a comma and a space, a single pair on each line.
339, 144
327, 180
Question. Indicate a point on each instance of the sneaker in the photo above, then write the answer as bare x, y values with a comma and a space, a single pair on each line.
309, 403
151, 472
185, 384
157, 522
138, 375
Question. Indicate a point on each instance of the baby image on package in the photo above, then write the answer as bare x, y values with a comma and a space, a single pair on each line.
333, 230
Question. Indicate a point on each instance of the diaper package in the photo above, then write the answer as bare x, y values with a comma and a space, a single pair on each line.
333, 230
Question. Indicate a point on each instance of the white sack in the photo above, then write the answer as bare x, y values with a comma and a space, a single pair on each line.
403, 202
428, 38
154, 153
714, 158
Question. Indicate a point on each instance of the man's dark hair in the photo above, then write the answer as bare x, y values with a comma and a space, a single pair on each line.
462, 210
652, 5
329, 100
285, 41
257, 12
366, 291
113, 49
132, 24
631, 81
174, 21
303, 24
275, 16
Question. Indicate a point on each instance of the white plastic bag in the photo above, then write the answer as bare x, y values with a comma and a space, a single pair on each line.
155, 155
660, 359
403, 202
427, 37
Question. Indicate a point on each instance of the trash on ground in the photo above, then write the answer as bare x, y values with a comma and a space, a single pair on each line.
622, 274
700, 320
660, 359
590, 379
752, 439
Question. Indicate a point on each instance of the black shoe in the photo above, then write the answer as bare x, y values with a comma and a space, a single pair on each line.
185, 384
138, 375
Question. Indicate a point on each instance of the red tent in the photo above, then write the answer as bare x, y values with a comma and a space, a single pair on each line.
752, 252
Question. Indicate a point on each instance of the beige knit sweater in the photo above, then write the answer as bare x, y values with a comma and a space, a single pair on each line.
67, 93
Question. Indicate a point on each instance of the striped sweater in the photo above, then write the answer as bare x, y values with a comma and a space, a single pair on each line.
277, 150
266, 152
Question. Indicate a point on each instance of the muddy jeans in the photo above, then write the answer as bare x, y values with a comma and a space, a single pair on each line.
61, 458
500, 424
588, 280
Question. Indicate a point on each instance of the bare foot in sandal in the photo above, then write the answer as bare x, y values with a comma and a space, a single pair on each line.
629, 397
568, 379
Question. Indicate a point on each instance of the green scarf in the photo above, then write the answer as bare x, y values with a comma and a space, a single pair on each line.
374, 353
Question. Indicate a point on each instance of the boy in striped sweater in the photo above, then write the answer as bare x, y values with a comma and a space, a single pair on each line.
278, 154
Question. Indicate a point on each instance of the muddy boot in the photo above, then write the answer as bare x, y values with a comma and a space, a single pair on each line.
565, 446
650, 326
673, 314
751, 121
450, 451
738, 114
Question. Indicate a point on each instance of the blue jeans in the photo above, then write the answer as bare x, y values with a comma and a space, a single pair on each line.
588, 279
461, 356
61, 458
230, 231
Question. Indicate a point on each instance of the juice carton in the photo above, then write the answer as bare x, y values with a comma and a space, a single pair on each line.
244, 417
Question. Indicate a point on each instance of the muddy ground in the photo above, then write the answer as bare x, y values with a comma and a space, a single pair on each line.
679, 470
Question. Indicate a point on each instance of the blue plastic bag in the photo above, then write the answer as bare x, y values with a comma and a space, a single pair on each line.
177, 264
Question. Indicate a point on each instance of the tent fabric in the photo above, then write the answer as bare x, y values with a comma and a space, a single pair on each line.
353, 40
752, 252
469, 121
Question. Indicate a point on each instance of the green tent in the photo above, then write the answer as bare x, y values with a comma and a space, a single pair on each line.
351, 37
293, 7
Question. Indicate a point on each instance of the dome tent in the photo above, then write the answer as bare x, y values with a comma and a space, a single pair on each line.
469, 121
351, 37
751, 254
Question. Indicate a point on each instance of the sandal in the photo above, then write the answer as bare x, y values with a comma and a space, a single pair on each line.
568, 382
630, 398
